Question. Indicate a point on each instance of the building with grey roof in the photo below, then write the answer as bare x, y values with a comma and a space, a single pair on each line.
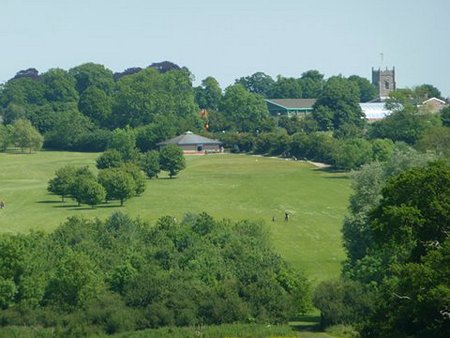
290, 107
194, 144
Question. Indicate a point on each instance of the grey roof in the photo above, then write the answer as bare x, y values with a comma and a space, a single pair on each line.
293, 103
189, 138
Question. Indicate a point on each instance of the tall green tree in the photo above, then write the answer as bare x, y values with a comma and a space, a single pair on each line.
246, 111
312, 83
171, 159
140, 96
338, 105
257, 83
367, 91
150, 163
209, 94
24, 135
286, 88
92, 74
97, 105
59, 86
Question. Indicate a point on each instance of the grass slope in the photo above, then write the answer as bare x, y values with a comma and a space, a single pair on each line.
225, 186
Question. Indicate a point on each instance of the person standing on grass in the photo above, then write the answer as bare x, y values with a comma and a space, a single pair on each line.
2, 204
286, 216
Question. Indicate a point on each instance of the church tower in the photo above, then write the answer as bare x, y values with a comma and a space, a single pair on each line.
384, 80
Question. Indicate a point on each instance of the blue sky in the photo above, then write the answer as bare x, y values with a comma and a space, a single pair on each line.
230, 39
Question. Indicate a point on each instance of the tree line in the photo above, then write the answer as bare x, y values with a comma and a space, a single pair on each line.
79, 109
95, 277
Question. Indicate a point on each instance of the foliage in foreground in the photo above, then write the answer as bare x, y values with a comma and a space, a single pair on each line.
398, 245
119, 275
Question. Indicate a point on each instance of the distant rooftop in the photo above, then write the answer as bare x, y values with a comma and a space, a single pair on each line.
293, 103
189, 138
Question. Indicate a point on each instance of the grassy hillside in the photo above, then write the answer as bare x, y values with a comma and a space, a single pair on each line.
225, 186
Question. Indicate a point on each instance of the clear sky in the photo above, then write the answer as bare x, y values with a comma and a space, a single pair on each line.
232, 38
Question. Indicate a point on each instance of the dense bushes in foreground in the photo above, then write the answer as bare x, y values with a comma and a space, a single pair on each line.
395, 281
121, 275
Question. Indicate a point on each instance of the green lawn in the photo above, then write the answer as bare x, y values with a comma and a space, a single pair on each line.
225, 186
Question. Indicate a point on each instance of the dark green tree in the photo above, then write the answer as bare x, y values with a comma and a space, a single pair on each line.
367, 91
95, 75
97, 105
59, 86
312, 83
171, 159
150, 163
246, 111
209, 94
142, 95
162, 128
338, 105
66, 130
286, 88
258, 83
74, 281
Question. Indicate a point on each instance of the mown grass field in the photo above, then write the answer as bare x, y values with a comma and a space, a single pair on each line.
225, 186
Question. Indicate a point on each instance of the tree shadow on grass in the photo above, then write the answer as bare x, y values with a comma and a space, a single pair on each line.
66, 206
84, 207
50, 202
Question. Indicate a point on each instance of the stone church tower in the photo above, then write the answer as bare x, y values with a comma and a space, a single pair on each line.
384, 80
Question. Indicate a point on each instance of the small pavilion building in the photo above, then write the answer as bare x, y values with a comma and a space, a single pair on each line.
191, 143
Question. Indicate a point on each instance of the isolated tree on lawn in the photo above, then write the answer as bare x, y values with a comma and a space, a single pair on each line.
172, 160
118, 184
24, 135
61, 184
150, 163
91, 192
